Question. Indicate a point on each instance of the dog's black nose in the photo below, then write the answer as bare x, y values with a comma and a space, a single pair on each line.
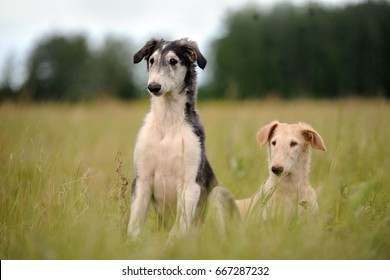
277, 170
154, 87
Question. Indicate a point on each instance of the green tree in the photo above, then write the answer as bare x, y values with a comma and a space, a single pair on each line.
57, 68
7, 92
112, 72
64, 68
311, 50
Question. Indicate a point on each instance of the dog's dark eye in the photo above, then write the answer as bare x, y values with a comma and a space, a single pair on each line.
151, 61
293, 143
273, 143
173, 61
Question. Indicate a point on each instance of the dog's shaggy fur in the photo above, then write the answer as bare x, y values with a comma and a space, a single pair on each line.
170, 161
287, 189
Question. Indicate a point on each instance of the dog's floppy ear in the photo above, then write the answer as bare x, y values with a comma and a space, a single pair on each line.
312, 136
265, 133
146, 50
192, 51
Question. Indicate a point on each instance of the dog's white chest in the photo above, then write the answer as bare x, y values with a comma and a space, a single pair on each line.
167, 157
168, 171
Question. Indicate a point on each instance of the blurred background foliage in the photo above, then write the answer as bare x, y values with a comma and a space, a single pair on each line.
310, 51
66, 68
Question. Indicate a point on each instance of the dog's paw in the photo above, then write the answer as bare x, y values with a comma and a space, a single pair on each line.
133, 233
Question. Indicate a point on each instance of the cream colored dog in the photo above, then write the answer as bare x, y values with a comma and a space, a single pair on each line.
287, 190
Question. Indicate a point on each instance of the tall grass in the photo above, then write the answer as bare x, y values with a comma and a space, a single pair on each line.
66, 170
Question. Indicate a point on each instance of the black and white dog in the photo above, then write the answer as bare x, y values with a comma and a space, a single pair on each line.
169, 158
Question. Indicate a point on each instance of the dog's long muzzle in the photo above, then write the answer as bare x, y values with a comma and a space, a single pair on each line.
154, 88
277, 170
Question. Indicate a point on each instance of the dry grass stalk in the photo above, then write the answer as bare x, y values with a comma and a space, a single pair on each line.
123, 182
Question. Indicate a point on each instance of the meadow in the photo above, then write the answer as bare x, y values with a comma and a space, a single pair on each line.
66, 170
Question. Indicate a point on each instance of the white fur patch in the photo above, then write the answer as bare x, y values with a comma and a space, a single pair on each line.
166, 157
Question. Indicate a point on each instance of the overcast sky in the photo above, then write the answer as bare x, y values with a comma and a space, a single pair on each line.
24, 22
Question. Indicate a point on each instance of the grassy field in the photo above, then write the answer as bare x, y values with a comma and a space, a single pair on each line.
62, 197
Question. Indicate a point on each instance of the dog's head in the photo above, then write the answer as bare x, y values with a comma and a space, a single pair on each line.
287, 145
170, 64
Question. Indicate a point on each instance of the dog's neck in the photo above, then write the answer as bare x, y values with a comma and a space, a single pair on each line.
170, 109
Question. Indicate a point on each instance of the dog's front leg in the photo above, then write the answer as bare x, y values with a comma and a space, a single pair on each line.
140, 198
187, 203
191, 199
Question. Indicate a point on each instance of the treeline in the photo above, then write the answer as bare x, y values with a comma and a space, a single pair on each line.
66, 68
310, 51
